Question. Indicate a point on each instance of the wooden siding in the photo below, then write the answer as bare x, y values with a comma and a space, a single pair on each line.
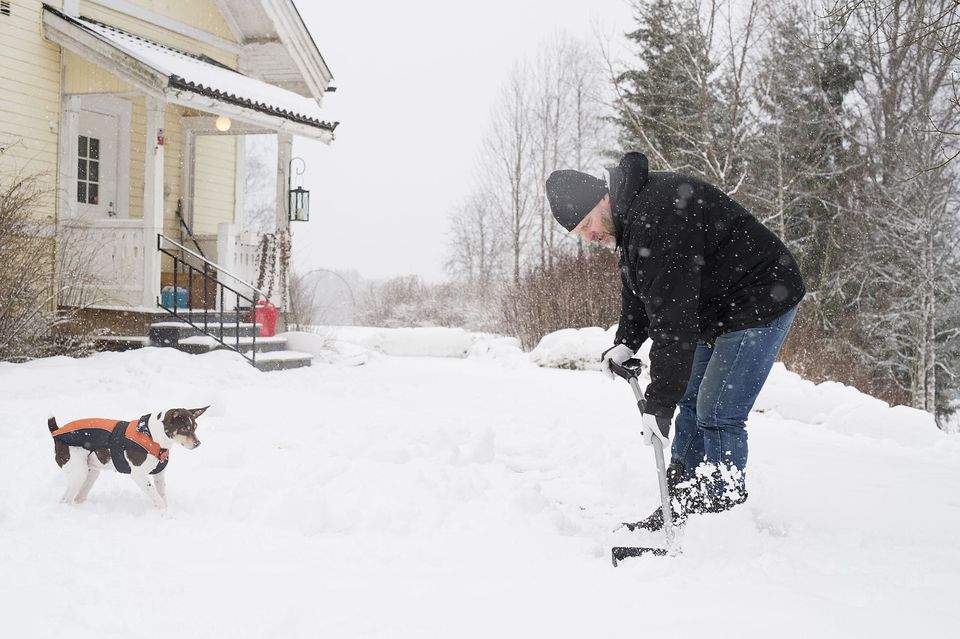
80, 76
215, 171
172, 162
215, 168
30, 101
31, 73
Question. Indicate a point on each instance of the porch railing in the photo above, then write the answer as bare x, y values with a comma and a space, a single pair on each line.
109, 253
231, 302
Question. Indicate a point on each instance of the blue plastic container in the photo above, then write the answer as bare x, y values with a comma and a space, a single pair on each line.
166, 297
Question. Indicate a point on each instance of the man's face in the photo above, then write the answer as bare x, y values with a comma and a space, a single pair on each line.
597, 227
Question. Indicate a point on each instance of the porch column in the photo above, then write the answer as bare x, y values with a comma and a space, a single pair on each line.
284, 153
152, 200
226, 254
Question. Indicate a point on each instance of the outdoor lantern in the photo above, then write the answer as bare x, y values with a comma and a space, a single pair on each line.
299, 205
222, 123
298, 202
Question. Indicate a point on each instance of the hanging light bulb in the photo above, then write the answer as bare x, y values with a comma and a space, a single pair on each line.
223, 123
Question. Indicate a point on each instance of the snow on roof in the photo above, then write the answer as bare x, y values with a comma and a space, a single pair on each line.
205, 76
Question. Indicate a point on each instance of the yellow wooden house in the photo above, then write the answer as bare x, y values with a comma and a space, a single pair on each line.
133, 112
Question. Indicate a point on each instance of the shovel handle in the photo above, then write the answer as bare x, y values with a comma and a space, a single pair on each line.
630, 369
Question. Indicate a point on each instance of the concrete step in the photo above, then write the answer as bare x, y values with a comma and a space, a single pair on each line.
169, 333
199, 344
282, 360
196, 314
271, 353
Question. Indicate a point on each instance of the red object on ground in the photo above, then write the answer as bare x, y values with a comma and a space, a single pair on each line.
266, 316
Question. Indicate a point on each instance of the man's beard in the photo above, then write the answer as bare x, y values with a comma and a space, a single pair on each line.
609, 242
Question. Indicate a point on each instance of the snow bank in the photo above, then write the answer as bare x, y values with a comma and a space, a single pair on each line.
327, 349
438, 497
424, 342
840, 408
844, 409
576, 348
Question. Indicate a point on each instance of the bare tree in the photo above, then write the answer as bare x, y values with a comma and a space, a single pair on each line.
509, 170
550, 104
475, 245
899, 25
304, 308
408, 301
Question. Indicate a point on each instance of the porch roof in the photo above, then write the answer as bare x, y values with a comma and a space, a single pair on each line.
187, 79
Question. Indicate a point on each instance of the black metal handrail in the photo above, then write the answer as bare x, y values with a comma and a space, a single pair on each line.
211, 281
183, 225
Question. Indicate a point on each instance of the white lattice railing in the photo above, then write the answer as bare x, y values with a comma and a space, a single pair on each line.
109, 255
237, 252
240, 253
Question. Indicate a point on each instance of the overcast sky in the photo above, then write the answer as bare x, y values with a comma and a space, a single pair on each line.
416, 82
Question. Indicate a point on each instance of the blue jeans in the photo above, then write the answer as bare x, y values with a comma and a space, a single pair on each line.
724, 383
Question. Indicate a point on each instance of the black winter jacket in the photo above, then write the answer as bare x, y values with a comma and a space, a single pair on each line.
694, 265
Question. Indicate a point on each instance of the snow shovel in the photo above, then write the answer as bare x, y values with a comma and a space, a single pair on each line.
629, 371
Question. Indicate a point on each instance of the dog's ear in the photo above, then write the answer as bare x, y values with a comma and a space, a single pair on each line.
197, 412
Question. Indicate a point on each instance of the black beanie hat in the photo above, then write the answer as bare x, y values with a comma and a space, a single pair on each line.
572, 195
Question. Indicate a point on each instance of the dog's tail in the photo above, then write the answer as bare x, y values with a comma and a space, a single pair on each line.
52, 424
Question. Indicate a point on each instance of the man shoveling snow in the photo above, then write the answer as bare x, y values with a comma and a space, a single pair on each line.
715, 291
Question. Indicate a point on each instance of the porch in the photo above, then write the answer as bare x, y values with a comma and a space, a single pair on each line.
150, 187
162, 156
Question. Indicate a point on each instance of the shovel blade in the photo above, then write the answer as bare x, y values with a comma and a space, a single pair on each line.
619, 553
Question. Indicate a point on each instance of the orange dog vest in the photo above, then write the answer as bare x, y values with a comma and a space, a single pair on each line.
116, 436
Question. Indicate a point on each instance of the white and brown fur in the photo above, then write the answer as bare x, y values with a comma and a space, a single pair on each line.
82, 466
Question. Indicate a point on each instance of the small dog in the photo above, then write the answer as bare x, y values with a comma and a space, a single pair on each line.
84, 447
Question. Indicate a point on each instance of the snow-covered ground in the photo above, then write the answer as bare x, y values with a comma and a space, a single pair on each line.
462, 497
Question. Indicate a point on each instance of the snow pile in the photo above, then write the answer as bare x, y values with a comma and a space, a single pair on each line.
575, 348
570, 348
423, 342
465, 497
844, 409
327, 349
578, 349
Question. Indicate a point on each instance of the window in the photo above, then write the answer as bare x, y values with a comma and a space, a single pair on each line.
88, 170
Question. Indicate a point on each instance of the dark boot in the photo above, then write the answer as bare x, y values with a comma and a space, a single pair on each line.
721, 504
719, 494
679, 492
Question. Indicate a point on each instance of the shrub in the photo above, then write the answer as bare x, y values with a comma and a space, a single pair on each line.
577, 291
30, 323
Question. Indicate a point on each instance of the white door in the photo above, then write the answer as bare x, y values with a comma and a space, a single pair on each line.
98, 165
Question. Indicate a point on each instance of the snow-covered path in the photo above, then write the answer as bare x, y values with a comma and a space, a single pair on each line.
419, 497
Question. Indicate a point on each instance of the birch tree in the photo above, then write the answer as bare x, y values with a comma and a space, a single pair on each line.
910, 227
509, 170
568, 124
